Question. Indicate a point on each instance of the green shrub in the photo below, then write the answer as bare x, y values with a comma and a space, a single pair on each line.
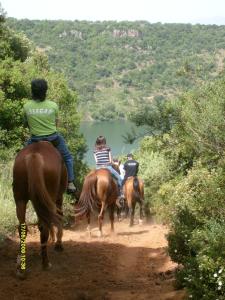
154, 168
196, 210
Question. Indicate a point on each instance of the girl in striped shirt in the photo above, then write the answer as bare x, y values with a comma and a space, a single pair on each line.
103, 158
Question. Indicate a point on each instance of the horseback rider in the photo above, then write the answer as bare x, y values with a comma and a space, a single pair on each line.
118, 166
103, 159
41, 116
131, 167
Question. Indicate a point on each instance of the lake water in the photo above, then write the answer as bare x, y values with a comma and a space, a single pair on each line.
113, 132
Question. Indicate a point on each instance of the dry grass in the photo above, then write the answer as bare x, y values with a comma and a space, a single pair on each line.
8, 219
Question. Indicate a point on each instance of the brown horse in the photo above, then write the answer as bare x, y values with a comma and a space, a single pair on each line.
120, 204
134, 192
39, 175
99, 192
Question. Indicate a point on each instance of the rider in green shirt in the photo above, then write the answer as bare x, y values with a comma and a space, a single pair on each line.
41, 115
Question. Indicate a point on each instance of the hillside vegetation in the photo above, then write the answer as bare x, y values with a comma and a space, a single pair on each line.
115, 64
183, 170
19, 64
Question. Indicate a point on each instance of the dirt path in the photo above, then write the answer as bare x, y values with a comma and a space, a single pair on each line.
132, 264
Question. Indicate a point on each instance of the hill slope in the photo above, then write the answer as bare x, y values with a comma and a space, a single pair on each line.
115, 64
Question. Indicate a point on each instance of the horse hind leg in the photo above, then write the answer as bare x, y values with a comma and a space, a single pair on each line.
59, 234
111, 216
22, 228
88, 215
59, 206
141, 212
118, 213
100, 218
126, 211
132, 213
44, 235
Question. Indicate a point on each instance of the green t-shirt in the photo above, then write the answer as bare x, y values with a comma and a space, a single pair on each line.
41, 116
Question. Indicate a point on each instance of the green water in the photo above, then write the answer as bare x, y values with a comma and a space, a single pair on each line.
113, 132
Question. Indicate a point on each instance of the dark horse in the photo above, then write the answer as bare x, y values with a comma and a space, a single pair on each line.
99, 192
39, 175
120, 205
134, 192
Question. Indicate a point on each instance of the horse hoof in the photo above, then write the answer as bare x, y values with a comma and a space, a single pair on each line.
47, 266
140, 221
58, 247
20, 274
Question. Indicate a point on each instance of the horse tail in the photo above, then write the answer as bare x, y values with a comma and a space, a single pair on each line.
136, 187
44, 206
88, 195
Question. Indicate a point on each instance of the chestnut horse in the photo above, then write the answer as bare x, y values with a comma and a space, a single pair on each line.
134, 192
100, 191
39, 175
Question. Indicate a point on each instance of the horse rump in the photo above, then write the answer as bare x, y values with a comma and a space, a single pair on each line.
136, 188
99, 192
39, 175
43, 203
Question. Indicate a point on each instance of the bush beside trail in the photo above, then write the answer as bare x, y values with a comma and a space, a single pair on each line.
183, 168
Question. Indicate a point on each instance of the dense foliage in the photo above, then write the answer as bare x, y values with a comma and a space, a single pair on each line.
118, 64
183, 168
19, 64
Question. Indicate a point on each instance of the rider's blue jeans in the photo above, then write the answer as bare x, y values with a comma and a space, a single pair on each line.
113, 172
62, 148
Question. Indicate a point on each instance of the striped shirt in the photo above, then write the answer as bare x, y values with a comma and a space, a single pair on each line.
102, 157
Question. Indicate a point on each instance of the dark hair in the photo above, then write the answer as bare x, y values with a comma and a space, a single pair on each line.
100, 142
129, 155
116, 160
39, 89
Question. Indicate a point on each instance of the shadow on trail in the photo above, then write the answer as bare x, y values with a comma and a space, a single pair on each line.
84, 271
132, 232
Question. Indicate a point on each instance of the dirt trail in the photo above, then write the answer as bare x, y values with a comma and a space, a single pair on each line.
132, 264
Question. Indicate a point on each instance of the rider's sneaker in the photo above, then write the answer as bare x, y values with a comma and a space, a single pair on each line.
71, 189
